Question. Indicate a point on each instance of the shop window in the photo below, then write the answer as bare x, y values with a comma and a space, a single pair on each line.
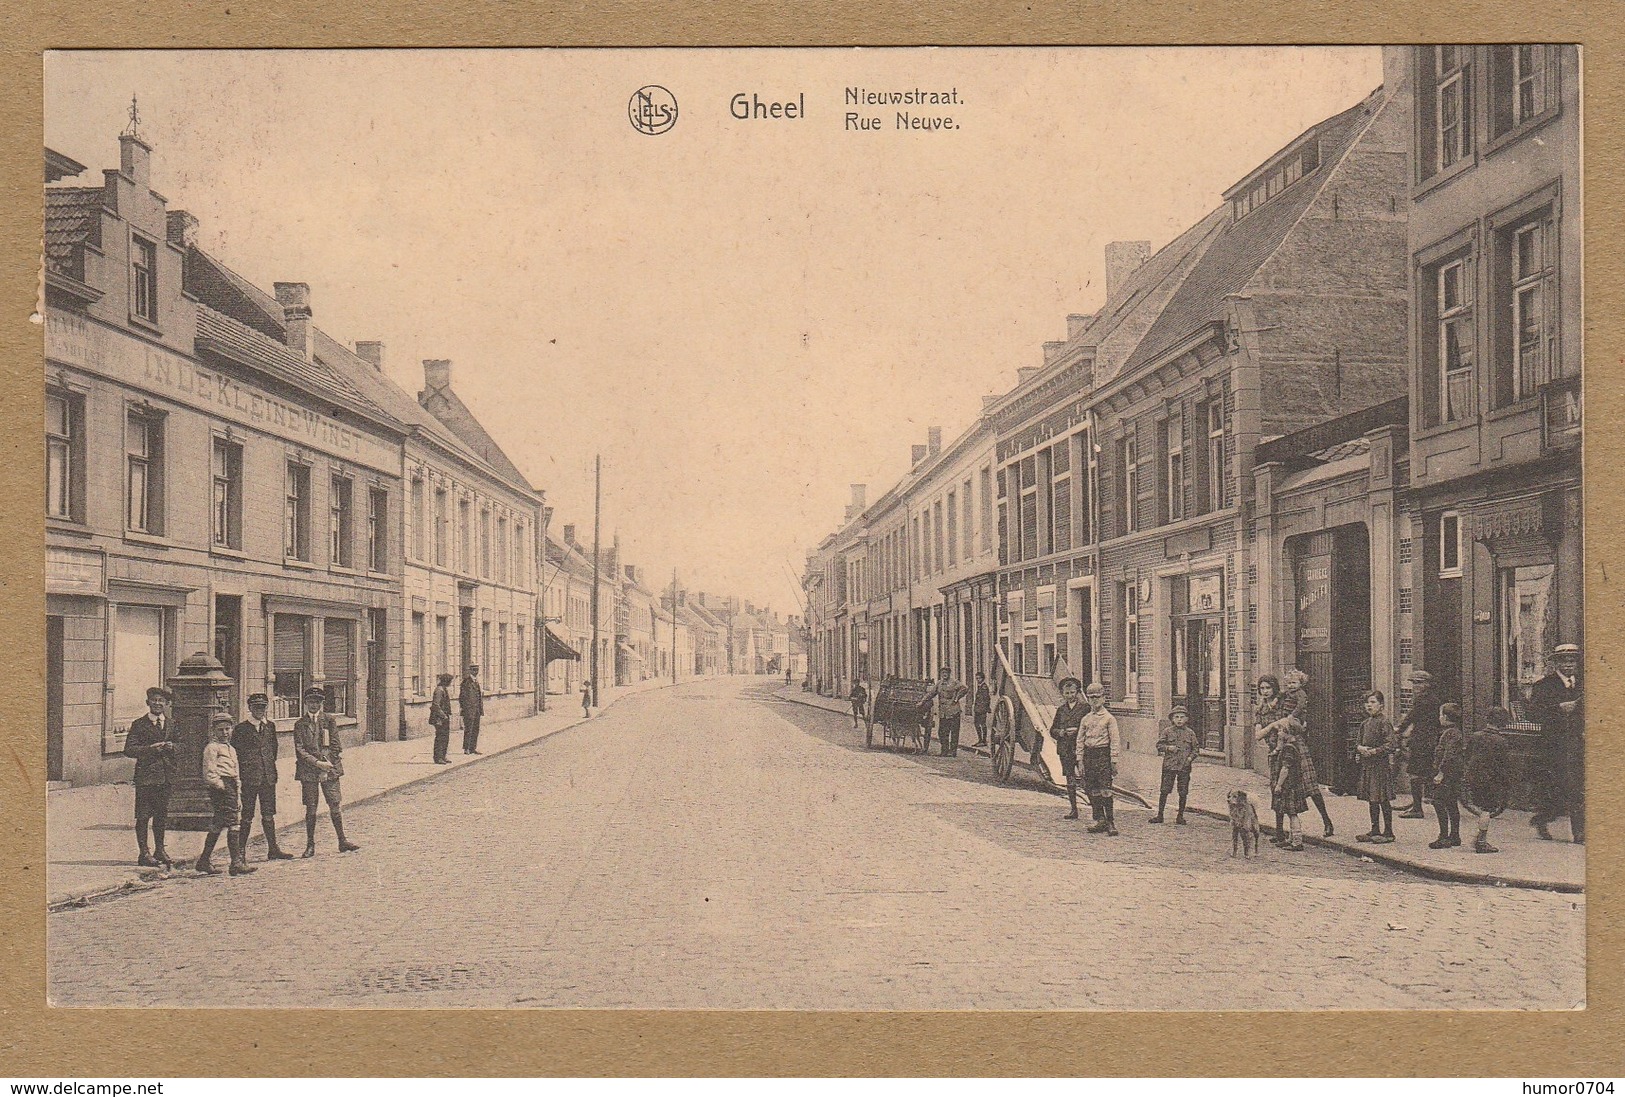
1450, 545
338, 665
226, 511
64, 456
1525, 295
296, 513
140, 636
1527, 628
378, 529
144, 472
340, 523
289, 644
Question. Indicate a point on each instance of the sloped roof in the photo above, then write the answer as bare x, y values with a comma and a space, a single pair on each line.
211, 281
466, 425
72, 219
1242, 246
241, 343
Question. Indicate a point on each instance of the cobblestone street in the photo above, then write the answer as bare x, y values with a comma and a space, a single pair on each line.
713, 847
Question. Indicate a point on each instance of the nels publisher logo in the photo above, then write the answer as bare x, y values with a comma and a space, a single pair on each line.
653, 109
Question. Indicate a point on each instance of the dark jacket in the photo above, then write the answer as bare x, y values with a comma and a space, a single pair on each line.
256, 748
1544, 698
1489, 768
984, 701
154, 762
440, 708
1067, 719
1419, 732
1178, 747
1450, 757
471, 699
315, 739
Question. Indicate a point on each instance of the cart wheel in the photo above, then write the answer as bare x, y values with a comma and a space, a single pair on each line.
1003, 731
1004, 760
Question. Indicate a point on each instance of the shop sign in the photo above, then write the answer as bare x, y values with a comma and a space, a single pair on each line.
1206, 593
74, 571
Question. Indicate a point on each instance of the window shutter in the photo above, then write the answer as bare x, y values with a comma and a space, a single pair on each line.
336, 645
289, 643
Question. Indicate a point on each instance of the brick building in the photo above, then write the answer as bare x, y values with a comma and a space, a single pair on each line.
212, 483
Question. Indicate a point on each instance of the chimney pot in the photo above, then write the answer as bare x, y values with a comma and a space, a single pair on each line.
436, 373
933, 440
372, 352
294, 297
135, 159
1123, 258
181, 228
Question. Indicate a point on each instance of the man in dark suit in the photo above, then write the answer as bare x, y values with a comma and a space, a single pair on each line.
440, 719
319, 765
255, 742
471, 700
1557, 702
151, 741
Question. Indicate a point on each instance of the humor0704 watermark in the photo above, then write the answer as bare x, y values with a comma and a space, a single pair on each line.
1567, 1089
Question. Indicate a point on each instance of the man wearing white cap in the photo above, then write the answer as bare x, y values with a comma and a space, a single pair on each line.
1557, 702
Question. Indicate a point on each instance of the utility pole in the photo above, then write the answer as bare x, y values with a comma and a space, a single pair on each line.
674, 626
597, 507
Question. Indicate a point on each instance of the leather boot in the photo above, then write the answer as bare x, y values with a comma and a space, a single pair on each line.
273, 852
159, 853
204, 864
338, 829
310, 834
145, 857
239, 863
1111, 820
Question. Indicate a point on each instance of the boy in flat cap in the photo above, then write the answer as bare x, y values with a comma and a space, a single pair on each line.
319, 765
151, 742
1176, 742
254, 740
225, 798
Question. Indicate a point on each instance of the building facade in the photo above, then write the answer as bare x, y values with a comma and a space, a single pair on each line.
212, 484
1495, 390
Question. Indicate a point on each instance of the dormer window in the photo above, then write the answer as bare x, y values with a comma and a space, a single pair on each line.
1281, 175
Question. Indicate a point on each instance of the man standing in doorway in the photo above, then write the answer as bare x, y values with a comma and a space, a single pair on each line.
254, 740
471, 700
151, 742
1557, 701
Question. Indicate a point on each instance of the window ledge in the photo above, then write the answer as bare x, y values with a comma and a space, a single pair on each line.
340, 569
69, 527
227, 553
374, 573
1444, 428
1521, 130
136, 537
1445, 175
145, 325
297, 564
1521, 406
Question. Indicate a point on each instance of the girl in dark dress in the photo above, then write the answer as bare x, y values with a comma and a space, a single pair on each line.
1374, 751
1450, 759
1488, 773
1265, 714
1295, 702
1289, 792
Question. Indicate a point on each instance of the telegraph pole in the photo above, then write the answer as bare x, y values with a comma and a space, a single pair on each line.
597, 507
674, 626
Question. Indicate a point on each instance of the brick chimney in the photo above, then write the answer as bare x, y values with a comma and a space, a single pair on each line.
135, 159
989, 401
1123, 258
436, 373
918, 455
1026, 373
181, 227
1052, 350
1076, 322
294, 297
570, 533
933, 440
372, 352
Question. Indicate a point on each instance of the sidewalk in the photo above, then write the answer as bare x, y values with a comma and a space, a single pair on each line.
1524, 861
90, 831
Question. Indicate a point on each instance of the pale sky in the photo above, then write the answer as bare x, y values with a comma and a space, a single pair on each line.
743, 317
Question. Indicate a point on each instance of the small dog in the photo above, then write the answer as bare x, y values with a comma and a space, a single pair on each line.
1243, 825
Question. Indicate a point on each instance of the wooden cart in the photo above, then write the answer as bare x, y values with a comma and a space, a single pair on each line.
902, 711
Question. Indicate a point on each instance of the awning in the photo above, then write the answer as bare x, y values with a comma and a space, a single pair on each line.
556, 648
629, 650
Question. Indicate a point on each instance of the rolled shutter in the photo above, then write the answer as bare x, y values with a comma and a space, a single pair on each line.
289, 643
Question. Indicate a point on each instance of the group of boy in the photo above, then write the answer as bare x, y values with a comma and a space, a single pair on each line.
239, 769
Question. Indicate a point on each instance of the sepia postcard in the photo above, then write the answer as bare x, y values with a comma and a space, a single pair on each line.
945, 529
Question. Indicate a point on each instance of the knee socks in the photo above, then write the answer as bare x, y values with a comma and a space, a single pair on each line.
1320, 806
1376, 816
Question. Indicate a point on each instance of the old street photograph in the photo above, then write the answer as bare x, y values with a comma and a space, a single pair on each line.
886, 529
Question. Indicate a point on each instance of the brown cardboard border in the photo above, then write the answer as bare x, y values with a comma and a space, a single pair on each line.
103, 1043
